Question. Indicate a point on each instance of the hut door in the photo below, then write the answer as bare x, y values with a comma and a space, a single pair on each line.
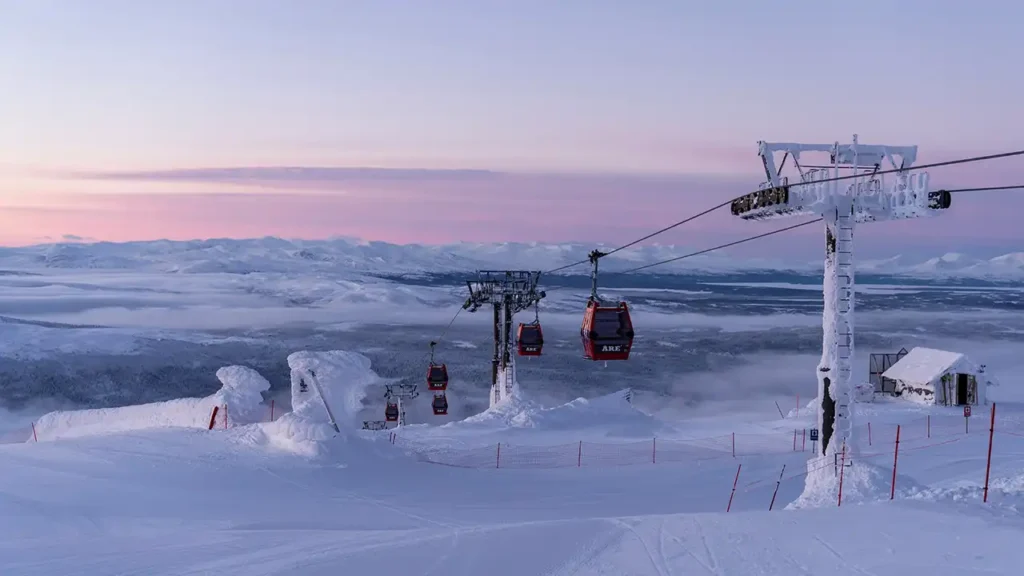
961, 389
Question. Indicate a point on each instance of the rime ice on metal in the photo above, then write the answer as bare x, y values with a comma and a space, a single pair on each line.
509, 292
863, 195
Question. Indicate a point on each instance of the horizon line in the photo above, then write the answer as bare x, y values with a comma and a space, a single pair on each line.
69, 239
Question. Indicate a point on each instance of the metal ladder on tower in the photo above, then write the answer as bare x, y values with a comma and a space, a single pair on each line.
502, 388
844, 312
509, 377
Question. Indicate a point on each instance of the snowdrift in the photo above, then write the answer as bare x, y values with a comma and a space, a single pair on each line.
862, 481
342, 378
241, 389
612, 412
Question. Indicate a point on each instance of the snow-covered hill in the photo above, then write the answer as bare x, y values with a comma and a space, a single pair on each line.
951, 265
339, 255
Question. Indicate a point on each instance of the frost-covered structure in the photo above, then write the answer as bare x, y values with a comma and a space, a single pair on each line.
241, 392
850, 189
508, 292
930, 376
342, 377
506, 384
325, 385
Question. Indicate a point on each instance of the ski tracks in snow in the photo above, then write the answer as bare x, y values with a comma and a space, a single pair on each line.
665, 550
713, 567
842, 559
659, 562
348, 495
586, 556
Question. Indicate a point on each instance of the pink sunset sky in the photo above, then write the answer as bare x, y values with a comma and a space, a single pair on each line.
479, 121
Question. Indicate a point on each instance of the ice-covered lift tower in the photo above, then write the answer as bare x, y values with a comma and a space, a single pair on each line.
863, 195
510, 292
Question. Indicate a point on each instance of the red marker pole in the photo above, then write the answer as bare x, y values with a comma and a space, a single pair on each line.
869, 433
988, 464
733, 444
895, 457
734, 482
777, 488
654, 451
36, 438
497, 459
271, 409
579, 455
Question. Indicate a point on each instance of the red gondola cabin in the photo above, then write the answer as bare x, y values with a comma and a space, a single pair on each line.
607, 332
530, 339
437, 377
440, 404
391, 412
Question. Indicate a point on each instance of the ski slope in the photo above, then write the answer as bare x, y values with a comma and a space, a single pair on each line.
291, 497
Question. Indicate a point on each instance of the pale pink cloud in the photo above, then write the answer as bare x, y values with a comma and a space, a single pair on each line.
440, 206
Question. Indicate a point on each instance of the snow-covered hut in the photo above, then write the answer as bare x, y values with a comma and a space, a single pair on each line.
930, 376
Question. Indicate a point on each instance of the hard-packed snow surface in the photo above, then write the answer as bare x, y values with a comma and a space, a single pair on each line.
293, 497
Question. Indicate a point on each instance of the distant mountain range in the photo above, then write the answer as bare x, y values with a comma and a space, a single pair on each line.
343, 255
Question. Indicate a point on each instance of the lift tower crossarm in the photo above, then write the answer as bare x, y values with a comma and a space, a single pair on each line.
399, 393
816, 193
842, 200
509, 292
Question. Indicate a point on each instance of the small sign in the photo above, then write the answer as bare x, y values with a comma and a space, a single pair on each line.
814, 434
967, 410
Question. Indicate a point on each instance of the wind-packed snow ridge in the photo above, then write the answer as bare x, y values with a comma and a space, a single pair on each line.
240, 391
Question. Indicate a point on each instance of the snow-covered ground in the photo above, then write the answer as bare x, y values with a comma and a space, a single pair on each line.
595, 486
